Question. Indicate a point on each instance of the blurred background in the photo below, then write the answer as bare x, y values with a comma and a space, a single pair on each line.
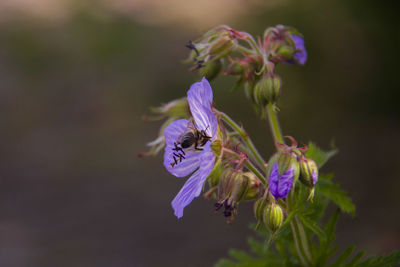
75, 80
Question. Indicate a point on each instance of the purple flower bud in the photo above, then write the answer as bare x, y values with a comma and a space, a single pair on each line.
300, 56
280, 185
308, 172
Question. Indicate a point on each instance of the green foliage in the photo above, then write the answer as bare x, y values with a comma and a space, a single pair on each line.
319, 156
333, 192
279, 249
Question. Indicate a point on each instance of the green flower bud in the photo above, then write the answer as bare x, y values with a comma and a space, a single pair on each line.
249, 90
222, 46
308, 172
267, 90
225, 185
273, 217
285, 51
211, 69
240, 188
178, 108
258, 208
232, 188
254, 186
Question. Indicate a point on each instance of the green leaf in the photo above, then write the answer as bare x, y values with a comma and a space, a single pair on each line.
391, 260
240, 255
356, 259
343, 257
313, 226
319, 156
337, 195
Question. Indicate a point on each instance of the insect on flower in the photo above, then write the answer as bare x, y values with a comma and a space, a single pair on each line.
187, 149
191, 139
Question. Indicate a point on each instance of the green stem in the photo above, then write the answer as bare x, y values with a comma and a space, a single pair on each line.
274, 124
245, 138
252, 168
254, 45
299, 235
243, 49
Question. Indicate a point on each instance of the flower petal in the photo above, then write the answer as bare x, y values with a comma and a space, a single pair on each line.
200, 100
280, 185
193, 186
191, 159
300, 57
201, 92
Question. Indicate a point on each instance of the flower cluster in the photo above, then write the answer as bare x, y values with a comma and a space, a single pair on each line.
204, 143
252, 62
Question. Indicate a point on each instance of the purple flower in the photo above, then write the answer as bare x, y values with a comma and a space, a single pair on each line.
300, 56
199, 159
280, 185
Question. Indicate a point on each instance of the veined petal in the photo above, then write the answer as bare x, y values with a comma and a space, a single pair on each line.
201, 92
174, 130
281, 185
193, 186
200, 100
190, 160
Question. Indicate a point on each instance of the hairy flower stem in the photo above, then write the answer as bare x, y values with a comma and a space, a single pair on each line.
299, 235
252, 168
245, 50
274, 123
260, 161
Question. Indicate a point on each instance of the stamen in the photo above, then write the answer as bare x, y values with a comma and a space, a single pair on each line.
178, 155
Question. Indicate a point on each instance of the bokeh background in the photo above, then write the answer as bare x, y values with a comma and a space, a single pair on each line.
75, 80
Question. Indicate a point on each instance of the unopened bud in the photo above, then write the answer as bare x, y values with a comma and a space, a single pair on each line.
233, 185
178, 108
268, 89
211, 69
225, 185
254, 186
285, 52
308, 172
222, 46
273, 216
240, 186
282, 171
258, 208
249, 90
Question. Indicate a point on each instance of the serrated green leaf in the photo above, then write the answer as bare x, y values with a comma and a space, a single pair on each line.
391, 260
225, 263
256, 247
355, 259
319, 156
313, 226
338, 196
239, 255
343, 257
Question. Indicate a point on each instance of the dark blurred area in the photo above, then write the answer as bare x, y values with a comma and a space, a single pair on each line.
75, 81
